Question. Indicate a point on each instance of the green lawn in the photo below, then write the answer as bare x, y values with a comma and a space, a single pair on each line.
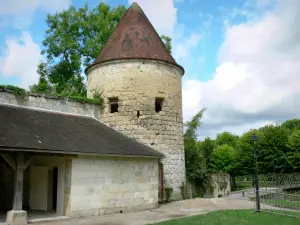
234, 217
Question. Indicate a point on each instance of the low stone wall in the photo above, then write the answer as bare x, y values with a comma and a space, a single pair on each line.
106, 185
51, 103
220, 184
216, 186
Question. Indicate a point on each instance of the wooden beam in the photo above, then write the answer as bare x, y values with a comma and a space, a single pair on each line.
18, 182
28, 162
9, 160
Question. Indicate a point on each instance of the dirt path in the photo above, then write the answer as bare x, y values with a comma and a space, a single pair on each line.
164, 212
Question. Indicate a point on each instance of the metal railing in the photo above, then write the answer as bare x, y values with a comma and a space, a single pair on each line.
278, 193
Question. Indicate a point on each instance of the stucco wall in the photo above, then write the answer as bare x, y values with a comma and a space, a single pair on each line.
104, 185
52, 103
137, 84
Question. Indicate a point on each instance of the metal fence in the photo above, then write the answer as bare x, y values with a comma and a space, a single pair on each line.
278, 193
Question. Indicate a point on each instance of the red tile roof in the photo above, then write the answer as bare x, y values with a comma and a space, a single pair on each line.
135, 38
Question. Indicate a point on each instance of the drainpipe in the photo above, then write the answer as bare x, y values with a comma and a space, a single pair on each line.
162, 182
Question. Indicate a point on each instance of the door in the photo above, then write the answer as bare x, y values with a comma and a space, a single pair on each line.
38, 188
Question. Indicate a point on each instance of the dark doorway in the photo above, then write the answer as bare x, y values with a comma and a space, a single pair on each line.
55, 177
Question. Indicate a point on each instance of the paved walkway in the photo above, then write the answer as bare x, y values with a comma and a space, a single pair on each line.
165, 212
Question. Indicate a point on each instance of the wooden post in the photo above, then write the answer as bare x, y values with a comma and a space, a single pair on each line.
18, 181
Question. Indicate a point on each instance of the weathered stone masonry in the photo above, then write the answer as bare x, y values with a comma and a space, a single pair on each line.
136, 84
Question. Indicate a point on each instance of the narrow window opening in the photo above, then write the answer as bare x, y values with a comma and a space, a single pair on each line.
158, 104
114, 105
138, 114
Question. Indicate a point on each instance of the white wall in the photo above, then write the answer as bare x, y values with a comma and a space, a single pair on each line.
104, 185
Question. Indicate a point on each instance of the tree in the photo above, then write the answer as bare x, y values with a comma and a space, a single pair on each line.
167, 41
293, 155
43, 85
206, 147
194, 160
291, 124
227, 138
272, 149
223, 159
74, 38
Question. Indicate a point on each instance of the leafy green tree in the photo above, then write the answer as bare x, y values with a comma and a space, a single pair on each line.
272, 149
291, 124
245, 154
73, 39
194, 160
223, 158
293, 155
206, 147
227, 138
43, 85
167, 41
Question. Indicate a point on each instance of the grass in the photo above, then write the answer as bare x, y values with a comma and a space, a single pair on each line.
234, 217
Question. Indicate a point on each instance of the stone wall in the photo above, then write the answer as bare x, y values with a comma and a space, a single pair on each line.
216, 186
52, 103
137, 84
105, 185
221, 184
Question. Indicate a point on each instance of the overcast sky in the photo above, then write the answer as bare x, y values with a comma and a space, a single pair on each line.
242, 58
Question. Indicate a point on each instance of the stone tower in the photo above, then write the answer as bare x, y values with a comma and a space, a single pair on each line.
141, 84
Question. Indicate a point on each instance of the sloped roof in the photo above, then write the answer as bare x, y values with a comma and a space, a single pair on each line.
134, 38
47, 131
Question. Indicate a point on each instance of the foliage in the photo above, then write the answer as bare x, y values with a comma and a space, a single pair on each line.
272, 149
226, 138
167, 41
206, 148
169, 192
183, 190
293, 156
223, 158
43, 86
73, 39
194, 160
17, 91
20, 92
230, 217
291, 124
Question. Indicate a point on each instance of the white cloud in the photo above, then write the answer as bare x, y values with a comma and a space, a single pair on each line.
257, 80
161, 13
28, 6
19, 13
183, 48
21, 58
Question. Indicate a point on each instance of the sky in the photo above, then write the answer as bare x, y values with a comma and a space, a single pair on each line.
241, 57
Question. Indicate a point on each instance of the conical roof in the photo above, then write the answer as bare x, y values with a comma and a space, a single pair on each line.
135, 38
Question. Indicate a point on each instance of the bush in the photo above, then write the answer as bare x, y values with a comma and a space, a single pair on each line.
183, 190
169, 192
